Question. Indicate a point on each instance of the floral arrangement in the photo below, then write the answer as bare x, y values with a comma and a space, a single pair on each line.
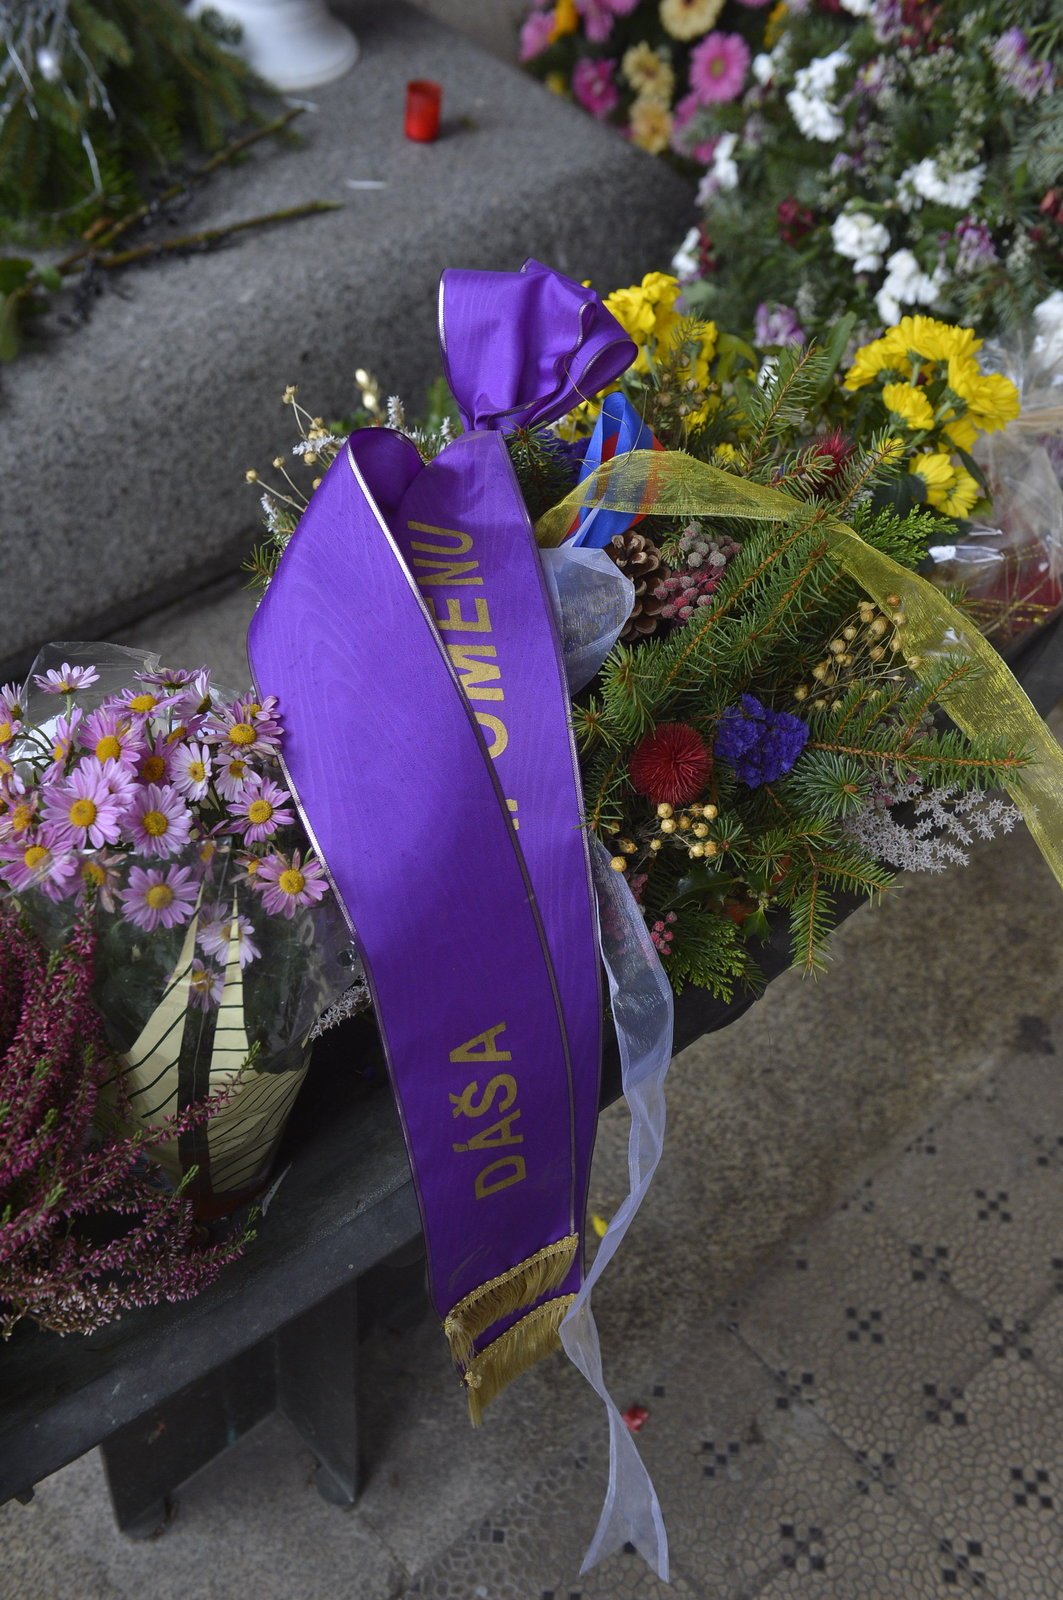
648, 66
757, 720
885, 157
151, 804
85, 1229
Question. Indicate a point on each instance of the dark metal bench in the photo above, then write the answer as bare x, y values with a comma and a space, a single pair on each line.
166, 1389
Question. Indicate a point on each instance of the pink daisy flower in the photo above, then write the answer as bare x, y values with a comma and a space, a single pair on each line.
10, 718
246, 727
718, 67
19, 806
218, 928
83, 809
159, 897
593, 86
206, 985
169, 679
196, 699
191, 767
262, 808
147, 700
286, 884
684, 113
101, 877
41, 862
155, 760
65, 679
63, 737
113, 735
536, 33
158, 820
12, 703
231, 775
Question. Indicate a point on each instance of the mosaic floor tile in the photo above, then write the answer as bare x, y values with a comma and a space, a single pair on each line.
976, 1202
1027, 1085
993, 1487
1046, 1337
861, 1333
875, 1551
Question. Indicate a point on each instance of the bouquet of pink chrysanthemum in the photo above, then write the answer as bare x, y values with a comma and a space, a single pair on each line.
158, 801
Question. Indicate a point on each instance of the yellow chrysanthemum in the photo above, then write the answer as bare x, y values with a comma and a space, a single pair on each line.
910, 405
725, 455
881, 355
994, 402
934, 340
651, 125
646, 310
689, 19
774, 24
961, 432
649, 74
949, 487
566, 19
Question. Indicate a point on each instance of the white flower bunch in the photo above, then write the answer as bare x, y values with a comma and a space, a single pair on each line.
810, 101
927, 181
723, 170
906, 284
860, 239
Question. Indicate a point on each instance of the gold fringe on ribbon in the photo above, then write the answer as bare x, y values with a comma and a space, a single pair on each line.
930, 630
499, 1297
513, 1352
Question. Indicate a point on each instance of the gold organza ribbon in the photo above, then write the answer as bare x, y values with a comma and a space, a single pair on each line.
986, 703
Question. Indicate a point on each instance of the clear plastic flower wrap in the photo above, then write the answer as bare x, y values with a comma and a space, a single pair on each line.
1010, 561
160, 799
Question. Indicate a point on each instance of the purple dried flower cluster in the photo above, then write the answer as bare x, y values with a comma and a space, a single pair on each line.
1020, 70
125, 803
84, 1232
760, 744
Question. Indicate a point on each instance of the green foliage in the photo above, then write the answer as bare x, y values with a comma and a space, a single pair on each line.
135, 85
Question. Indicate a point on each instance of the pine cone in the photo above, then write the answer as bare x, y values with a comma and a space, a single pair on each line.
640, 560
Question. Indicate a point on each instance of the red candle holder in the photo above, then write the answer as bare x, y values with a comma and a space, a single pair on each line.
424, 100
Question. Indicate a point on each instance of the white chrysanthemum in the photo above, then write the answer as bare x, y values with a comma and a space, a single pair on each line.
860, 239
763, 67
1048, 336
926, 181
815, 117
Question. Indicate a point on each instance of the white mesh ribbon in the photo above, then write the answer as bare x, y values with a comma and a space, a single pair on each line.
588, 602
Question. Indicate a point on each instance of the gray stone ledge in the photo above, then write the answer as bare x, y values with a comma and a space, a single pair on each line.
123, 444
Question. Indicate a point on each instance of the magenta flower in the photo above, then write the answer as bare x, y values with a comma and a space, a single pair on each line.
169, 679
246, 727
113, 735
231, 775
83, 809
159, 897
159, 822
156, 757
11, 703
286, 884
206, 985
66, 679
683, 114
535, 35
190, 769
1022, 71
261, 809
594, 88
195, 701
218, 929
718, 67
147, 700
41, 862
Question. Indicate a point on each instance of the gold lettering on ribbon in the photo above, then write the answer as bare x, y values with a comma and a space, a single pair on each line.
500, 737
476, 674
498, 1097
454, 622
464, 540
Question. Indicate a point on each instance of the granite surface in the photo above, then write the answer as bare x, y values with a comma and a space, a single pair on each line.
124, 443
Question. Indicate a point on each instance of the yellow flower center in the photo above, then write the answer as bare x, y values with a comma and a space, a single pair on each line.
34, 855
202, 982
153, 769
143, 702
259, 811
159, 896
252, 866
83, 813
156, 824
208, 852
108, 748
241, 733
93, 873
237, 768
197, 772
291, 881
21, 818
59, 752
6, 732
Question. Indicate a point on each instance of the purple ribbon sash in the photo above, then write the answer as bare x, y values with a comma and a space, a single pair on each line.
409, 639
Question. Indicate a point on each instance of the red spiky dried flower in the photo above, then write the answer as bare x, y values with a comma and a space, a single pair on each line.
671, 764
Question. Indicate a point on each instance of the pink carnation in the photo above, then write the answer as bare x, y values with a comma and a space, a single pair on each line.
718, 67
594, 88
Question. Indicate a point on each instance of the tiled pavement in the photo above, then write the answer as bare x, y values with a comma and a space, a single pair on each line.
842, 1307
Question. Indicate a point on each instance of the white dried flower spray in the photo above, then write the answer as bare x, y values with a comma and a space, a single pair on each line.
943, 824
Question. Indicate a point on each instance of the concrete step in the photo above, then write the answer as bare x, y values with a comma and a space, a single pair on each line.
123, 444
